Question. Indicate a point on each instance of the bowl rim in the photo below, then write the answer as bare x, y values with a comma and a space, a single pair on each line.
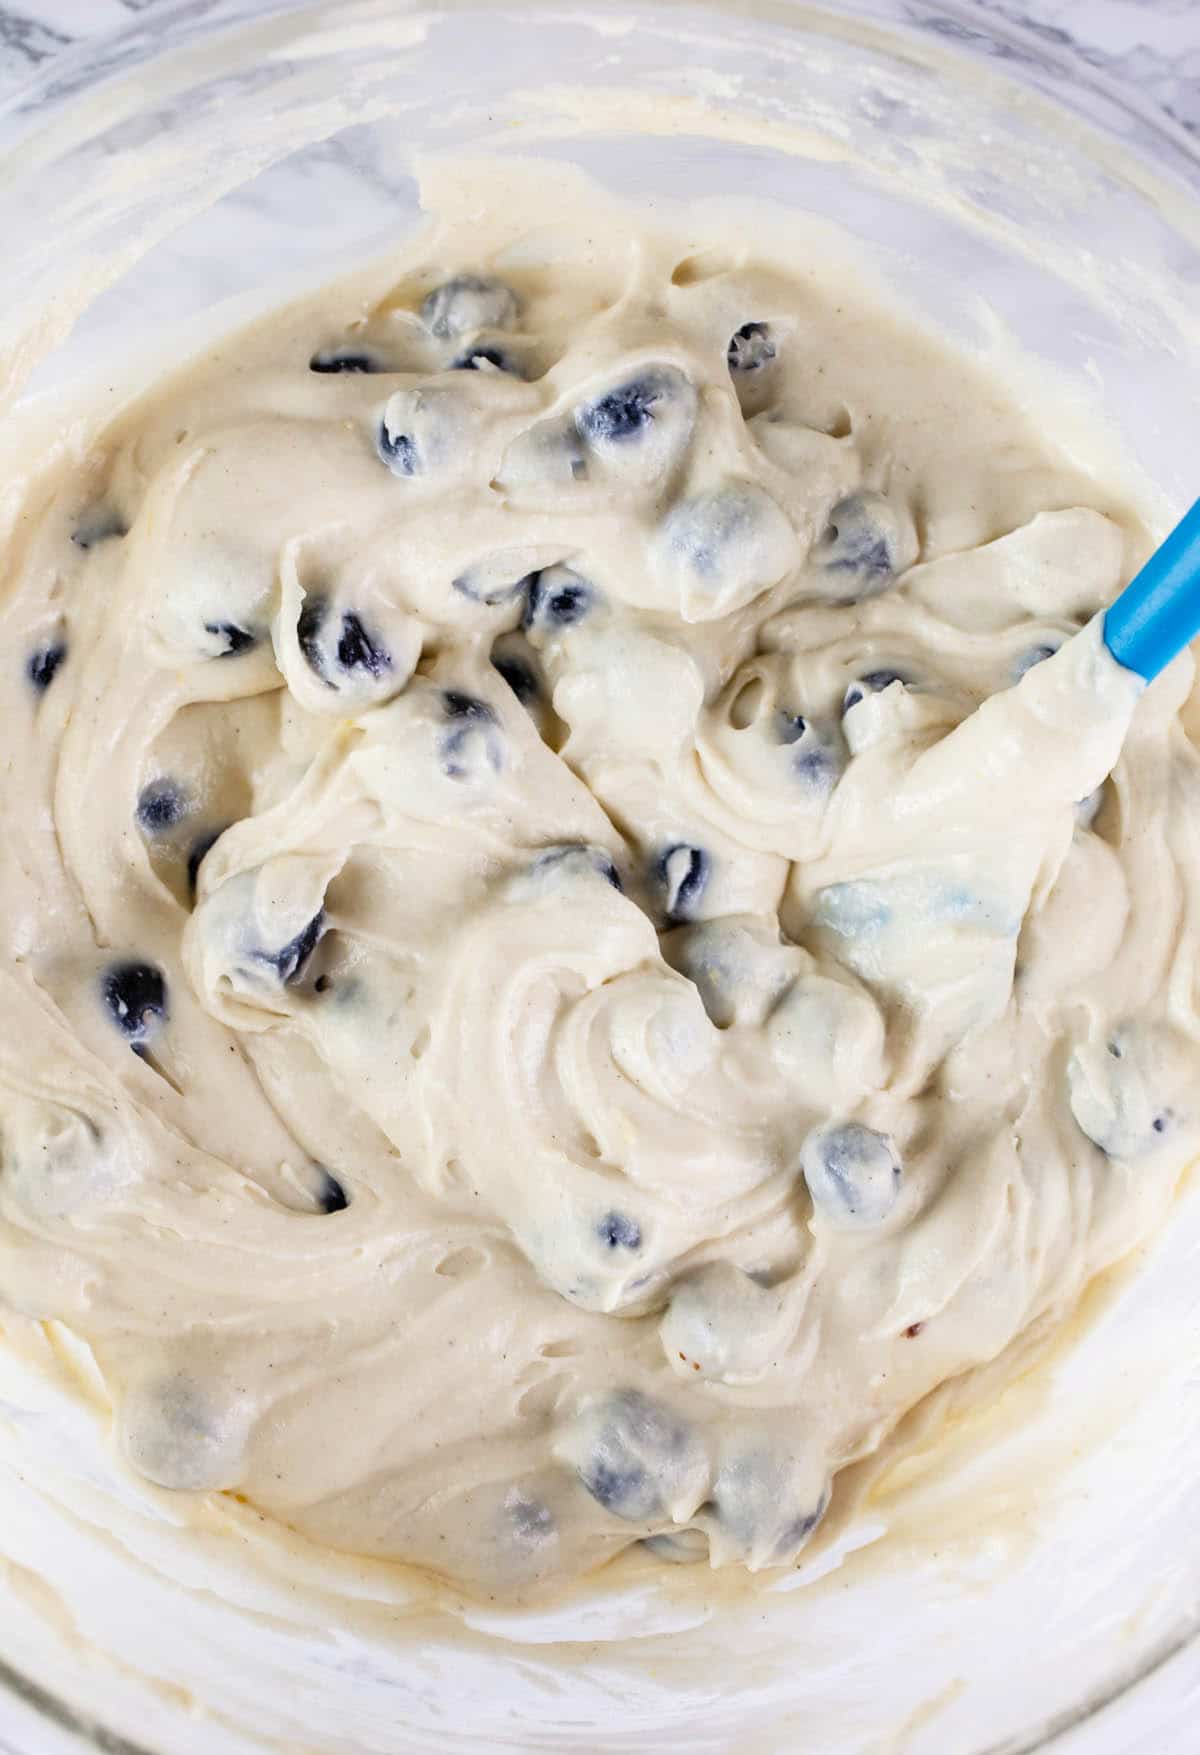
1038, 62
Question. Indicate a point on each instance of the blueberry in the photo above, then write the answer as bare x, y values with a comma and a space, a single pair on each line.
575, 859
237, 639
57, 1161
425, 429
767, 1502
343, 359
872, 682
681, 874
750, 348
43, 664
289, 962
160, 806
1128, 1093
866, 544
545, 454
355, 648
723, 546
1027, 661
556, 598
856, 544
789, 727
358, 650
101, 524
186, 1435
331, 1196
636, 1451
196, 854
486, 354
818, 764
136, 996
468, 302
853, 1174
459, 706
474, 738
720, 1323
519, 675
530, 1521
625, 412
621, 419
308, 633
398, 450
818, 756
619, 1231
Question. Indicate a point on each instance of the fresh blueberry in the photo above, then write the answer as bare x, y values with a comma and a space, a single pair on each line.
682, 873
424, 429
160, 806
344, 359
308, 634
740, 968
355, 648
767, 1502
236, 639
853, 1174
545, 454
750, 348
872, 682
530, 1521
469, 302
474, 738
723, 546
720, 1322
185, 1434
1127, 1093
637, 1449
519, 674
136, 996
618, 1231
577, 860
818, 752
331, 1196
358, 650
101, 524
1034, 656
556, 598
486, 354
459, 706
856, 542
399, 450
625, 412
620, 423
801, 1527
866, 544
289, 962
202, 845
42, 666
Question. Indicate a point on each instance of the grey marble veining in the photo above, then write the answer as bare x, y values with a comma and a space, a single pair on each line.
1150, 45
1153, 45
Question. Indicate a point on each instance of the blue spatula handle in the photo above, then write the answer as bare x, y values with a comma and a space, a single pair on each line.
1158, 613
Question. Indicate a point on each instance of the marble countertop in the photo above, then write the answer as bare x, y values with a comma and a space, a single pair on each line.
1152, 44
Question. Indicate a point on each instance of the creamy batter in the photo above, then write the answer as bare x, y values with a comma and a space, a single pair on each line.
571, 951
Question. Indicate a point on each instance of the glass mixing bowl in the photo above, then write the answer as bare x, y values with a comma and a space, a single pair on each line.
1038, 1577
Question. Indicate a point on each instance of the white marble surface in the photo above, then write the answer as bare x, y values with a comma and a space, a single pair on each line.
1151, 44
